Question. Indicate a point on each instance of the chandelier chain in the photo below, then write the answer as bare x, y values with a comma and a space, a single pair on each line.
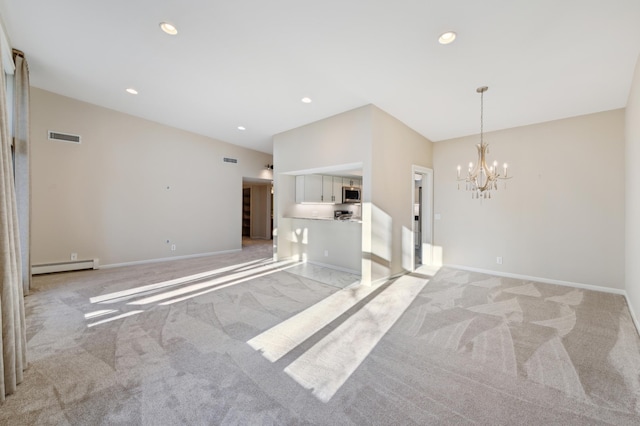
481, 116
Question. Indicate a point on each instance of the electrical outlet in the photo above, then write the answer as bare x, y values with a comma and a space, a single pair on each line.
173, 247
326, 253
499, 260
74, 256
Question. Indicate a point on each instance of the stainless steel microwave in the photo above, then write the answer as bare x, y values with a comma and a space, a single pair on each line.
351, 194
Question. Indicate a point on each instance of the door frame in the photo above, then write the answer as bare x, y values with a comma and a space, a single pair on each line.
427, 214
265, 185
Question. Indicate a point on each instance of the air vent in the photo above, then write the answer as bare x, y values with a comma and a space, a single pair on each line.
64, 137
230, 160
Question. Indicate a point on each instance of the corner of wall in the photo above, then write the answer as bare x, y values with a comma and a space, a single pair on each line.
632, 197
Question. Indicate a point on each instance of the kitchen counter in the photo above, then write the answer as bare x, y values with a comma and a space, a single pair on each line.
325, 241
327, 219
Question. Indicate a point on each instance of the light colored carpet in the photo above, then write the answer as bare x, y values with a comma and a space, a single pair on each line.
145, 345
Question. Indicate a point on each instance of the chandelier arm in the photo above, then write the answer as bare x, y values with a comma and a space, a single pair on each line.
486, 186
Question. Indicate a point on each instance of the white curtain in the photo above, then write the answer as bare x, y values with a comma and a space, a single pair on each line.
14, 345
22, 170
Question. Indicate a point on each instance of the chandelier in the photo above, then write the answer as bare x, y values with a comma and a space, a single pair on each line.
481, 179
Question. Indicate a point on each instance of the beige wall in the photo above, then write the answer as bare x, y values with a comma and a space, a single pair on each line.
395, 149
340, 139
632, 156
562, 215
332, 243
130, 186
386, 149
328, 144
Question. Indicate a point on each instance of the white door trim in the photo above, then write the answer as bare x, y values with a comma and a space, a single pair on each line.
427, 213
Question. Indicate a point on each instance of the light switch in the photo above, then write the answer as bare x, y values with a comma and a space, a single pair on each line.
437, 216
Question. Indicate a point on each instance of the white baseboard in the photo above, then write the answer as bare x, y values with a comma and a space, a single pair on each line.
166, 259
540, 279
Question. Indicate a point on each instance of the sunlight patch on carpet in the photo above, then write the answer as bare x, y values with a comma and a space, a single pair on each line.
327, 365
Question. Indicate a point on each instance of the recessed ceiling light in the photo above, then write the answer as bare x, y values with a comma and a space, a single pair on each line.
242, 128
306, 100
132, 91
446, 38
168, 28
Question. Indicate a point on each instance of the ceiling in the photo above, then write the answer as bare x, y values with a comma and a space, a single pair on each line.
249, 63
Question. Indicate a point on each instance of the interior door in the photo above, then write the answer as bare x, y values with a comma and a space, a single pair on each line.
422, 199
418, 226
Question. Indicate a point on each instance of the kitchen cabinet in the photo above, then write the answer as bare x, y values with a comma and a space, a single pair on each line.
309, 189
331, 189
337, 189
352, 182
322, 189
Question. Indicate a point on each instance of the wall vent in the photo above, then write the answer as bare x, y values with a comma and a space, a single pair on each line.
64, 137
230, 160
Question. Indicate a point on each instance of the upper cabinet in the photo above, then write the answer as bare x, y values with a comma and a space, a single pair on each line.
352, 182
309, 189
331, 189
322, 188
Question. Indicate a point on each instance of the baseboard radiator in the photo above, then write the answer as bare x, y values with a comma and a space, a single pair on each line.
74, 265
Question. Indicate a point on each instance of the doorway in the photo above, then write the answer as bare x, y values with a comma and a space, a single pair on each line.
422, 209
257, 208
